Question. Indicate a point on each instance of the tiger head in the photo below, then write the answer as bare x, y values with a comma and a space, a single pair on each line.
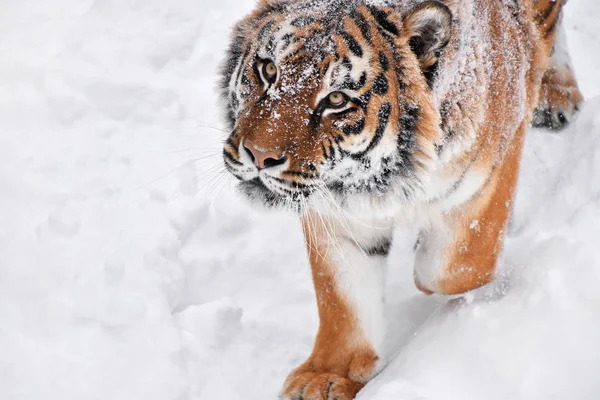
333, 98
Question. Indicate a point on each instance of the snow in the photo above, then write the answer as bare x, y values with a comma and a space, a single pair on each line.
131, 270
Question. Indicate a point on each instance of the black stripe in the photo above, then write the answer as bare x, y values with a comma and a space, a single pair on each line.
287, 41
295, 194
543, 16
334, 51
317, 115
230, 117
383, 116
289, 182
304, 175
365, 164
343, 154
355, 128
408, 125
363, 25
380, 85
229, 141
346, 111
355, 86
399, 69
265, 30
302, 21
242, 62
325, 155
431, 73
270, 47
324, 69
352, 44
408, 120
346, 63
234, 103
550, 29
233, 59
331, 148
382, 19
298, 52
383, 61
230, 158
363, 101
381, 249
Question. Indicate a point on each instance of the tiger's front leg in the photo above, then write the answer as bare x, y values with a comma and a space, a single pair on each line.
347, 261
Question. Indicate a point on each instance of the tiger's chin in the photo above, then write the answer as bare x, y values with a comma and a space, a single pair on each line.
332, 197
257, 192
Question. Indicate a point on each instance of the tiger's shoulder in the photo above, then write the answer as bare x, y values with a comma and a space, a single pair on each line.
489, 84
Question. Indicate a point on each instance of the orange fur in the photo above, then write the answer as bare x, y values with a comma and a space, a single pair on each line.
340, 352
476, 248
471, 258
559, 87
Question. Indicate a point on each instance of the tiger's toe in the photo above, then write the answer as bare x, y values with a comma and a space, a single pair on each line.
313, 386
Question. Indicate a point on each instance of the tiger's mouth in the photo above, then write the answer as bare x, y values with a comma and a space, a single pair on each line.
275, 192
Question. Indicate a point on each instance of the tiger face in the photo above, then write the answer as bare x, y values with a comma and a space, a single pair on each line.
334, 103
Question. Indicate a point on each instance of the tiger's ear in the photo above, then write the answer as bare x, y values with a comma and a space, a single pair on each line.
429, 28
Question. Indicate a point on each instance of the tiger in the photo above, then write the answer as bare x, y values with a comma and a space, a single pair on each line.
362, 116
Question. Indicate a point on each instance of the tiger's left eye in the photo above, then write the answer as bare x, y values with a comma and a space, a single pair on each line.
269, 70
337, 99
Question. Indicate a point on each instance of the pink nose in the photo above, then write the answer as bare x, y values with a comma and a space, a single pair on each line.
263, 158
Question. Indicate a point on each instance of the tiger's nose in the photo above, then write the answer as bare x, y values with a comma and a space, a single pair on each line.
263, 158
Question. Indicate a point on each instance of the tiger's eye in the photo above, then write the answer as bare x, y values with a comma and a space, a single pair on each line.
337, 99
270, 71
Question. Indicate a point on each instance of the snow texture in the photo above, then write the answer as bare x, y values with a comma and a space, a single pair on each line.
130, 269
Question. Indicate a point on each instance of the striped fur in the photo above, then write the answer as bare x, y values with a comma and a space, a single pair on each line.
382, 142
437, 97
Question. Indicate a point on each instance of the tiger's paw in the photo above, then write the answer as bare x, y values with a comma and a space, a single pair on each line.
323, 386
309, 383
559, 100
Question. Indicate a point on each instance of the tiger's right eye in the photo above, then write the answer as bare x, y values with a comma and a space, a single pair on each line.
269, 71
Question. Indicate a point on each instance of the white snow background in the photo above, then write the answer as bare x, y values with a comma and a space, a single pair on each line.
129, 269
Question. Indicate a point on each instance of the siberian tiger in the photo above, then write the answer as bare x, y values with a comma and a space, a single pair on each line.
362, 114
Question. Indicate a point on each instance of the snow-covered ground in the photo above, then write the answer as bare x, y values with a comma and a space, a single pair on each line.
129, 269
